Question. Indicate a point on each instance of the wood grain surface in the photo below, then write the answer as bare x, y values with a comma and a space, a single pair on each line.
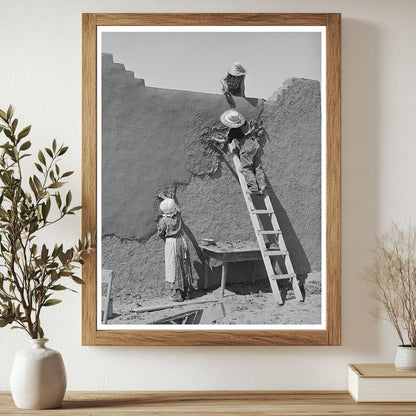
380, 371
318, 403
332, 334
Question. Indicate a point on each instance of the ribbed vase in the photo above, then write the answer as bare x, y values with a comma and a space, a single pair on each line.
38, 377
405, 358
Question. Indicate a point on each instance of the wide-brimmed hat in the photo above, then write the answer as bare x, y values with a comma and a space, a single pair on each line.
168, 206
232, 118
237, 69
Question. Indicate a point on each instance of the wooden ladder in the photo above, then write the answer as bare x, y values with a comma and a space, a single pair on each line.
269, 254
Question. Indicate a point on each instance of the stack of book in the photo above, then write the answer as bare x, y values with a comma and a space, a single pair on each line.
381, 383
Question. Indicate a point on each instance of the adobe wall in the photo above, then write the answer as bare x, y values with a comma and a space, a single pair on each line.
154, 139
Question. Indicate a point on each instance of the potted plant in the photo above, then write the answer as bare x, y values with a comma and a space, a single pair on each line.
393, 277
31, 273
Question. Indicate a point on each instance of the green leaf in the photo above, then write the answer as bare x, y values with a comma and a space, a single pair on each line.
45, 211
49, 152
5, 321
10, 112
25, 145
33, 187
72, 210
56, 185
59, 287
37, 183
8, 133
3, 115
63, 151
34, 249
24, 132
44, 253
67, 174
58, 199
51, 302
39, 167
40, 331
14, 125
76, 279
54, 145
68, 199
41, 157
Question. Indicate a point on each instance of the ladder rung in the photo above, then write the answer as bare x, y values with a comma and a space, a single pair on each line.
282, 276
275, 253
269, 232
262, 211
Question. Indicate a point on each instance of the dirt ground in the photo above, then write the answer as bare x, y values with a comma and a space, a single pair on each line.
243, 303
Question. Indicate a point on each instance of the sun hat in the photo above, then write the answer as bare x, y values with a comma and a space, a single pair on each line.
237, 69
168, 206
232, 118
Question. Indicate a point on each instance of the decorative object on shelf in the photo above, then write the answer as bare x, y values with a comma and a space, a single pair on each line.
38, 378
393, 277
381, 383
31, 272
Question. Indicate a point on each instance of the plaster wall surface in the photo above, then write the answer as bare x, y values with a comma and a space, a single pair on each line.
41, 76
155, 139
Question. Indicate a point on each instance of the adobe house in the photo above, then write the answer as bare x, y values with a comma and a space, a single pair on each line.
154, 139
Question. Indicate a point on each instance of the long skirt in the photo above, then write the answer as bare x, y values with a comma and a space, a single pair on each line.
178, 268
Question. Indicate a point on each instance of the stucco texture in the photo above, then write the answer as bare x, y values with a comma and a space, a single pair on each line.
155, 139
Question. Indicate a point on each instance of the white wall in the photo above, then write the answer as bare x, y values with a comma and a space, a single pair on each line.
40, 73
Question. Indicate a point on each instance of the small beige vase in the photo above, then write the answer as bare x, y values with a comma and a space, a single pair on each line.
38, 377
405, 358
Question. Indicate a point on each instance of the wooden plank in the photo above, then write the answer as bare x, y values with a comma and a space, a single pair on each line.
380, 371
211, 19
106, 283
211, 337
333, 179
261, 211
171, 305
221, 403
283, 276
275, 253
89, 174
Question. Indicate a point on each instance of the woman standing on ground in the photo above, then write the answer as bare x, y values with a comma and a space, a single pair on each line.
178, 270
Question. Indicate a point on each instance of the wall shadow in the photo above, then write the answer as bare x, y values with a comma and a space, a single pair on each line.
298, 256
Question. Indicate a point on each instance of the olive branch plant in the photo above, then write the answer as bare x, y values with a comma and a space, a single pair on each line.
393, 278
30, 272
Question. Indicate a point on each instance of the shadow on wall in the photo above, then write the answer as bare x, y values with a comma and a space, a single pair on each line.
198, 265
298, 256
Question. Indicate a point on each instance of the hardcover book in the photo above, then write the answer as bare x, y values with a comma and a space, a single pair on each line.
381, 383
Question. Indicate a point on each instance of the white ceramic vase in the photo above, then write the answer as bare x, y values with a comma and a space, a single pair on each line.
38, 378
405, 358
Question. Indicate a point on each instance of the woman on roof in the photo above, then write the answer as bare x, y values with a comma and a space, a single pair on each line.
233, 82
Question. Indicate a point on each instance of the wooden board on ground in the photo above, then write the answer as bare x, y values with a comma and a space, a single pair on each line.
195, 316
171, 305
106, 282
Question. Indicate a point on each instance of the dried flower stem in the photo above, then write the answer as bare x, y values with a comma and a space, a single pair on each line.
393, 276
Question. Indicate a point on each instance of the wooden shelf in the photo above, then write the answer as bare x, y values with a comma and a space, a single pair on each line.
317, 403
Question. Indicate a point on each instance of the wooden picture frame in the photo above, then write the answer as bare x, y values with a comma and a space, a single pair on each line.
331, 335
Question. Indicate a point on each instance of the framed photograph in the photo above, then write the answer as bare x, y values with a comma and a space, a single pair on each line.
211, 173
